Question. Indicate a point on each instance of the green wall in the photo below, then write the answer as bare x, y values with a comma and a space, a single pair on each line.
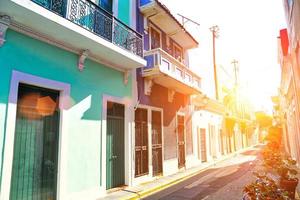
83, 139
124, 11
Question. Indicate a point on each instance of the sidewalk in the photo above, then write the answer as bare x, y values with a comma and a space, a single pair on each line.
146, 189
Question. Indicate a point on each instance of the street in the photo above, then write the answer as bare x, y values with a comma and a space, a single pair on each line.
223, 181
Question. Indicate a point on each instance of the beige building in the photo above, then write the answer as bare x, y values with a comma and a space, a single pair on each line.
289, 59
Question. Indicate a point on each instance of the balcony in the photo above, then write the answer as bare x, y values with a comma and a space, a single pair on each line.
169, 72
81, 25
161, 16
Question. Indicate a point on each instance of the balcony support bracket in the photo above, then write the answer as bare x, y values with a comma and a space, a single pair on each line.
148, 83
126, 76
4, 24
81, 59
171, 94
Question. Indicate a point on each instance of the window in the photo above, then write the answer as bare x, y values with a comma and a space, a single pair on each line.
155, 38
177, 52
106, 5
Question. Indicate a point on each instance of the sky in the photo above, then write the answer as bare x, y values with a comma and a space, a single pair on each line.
248, 33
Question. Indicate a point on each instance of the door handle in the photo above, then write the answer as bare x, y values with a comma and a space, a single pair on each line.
114, 157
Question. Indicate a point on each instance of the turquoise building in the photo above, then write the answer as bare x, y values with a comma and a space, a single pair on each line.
67, 95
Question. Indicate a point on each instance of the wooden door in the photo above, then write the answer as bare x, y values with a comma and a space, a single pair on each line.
155, 38
203, 144
156, 143
181, 141
141, 142
115, 171
34, 171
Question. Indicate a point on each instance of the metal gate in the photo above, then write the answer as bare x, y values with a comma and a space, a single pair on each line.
34, 171
141, 142
181, 141
115, 172
156, 143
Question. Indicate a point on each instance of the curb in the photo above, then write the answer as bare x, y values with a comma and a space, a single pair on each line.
148, 192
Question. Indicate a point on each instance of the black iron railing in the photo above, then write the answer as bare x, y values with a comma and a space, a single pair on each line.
95, 19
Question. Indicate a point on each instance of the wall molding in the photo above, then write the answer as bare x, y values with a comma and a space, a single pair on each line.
4, 24
148, 83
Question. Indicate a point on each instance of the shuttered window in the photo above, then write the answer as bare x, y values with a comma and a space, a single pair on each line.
34, 167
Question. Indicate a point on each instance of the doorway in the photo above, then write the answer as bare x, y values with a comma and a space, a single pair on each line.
35, 156
181, 141
156, 143
115, 162
141, 142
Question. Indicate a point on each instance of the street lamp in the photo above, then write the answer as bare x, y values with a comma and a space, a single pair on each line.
215, 34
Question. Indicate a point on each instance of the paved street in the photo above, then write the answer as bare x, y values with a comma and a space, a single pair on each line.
223, 181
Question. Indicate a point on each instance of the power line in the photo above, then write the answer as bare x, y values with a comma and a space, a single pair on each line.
186, 19
226, 72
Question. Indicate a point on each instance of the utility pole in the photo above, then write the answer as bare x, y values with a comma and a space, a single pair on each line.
215, 34
236, 70
236, 86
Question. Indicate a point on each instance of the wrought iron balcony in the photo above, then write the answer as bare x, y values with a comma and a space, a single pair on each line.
165, 70
95, 19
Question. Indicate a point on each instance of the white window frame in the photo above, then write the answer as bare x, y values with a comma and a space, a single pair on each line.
64, 97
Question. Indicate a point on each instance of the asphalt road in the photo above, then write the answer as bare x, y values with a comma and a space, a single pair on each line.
223, 181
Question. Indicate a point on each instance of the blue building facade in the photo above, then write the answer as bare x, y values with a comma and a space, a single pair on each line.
163, 129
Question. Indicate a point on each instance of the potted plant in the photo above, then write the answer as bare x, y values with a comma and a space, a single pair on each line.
288, 180
264, 188
281, 168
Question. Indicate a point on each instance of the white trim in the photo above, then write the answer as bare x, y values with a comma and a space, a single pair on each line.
115, 9
127, 137
133, 14
64, 88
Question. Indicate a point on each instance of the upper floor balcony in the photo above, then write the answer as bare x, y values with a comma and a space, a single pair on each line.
159, 15
80, 25
165, 70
